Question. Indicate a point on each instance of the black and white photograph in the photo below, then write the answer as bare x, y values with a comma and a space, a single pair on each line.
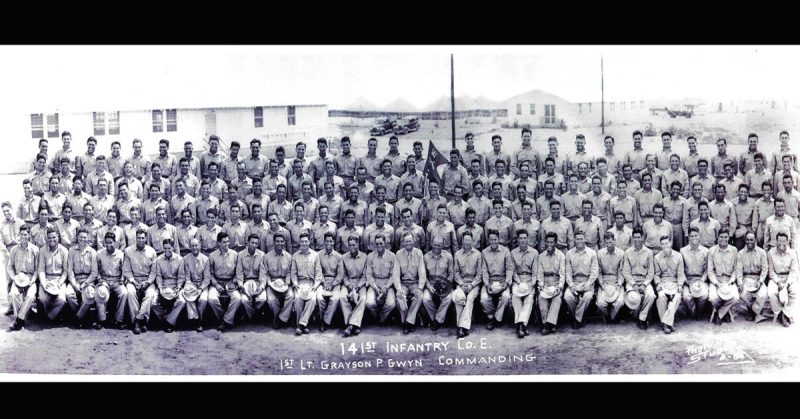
402, 212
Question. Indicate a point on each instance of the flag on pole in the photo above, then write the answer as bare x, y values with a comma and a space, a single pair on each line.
434, 160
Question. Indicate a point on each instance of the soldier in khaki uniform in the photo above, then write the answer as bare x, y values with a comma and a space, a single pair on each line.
752, 267
413, 278
468, 276
550, 279
610, 295
581, 275
275, 273
669, 279
498, 273
439, 284
383, 280
248, 268
695, 264
329, 292
169, 278
351, 274
525, 260
722, 291
783, 271
306, 276
222, 264
196, 268
638, 270
22, 262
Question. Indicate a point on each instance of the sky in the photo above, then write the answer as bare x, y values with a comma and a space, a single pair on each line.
87, 78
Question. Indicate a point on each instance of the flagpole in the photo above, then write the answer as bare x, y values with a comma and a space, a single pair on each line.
602, 99
452, 103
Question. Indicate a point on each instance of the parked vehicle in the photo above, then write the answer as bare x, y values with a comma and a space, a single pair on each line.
406, 125
382, 125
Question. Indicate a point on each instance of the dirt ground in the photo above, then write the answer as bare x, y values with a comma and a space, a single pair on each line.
255, 349
696, 348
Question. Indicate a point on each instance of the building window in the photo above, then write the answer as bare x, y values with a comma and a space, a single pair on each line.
52, 125
37, 125
99, 123
549, 114
291, 115
533, 109
258, 114
172, 120
113, 123
519, 109
158, 121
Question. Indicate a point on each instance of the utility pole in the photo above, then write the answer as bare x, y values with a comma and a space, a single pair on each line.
602, 99
452, 103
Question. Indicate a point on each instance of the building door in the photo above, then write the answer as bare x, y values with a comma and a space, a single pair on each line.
211, 124
549, 114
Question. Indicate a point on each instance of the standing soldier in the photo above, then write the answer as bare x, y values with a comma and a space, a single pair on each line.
346, 163
674, 205
764, 208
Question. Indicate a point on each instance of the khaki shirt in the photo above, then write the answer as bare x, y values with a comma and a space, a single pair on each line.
782, 264
551, 269
168, 272
196, 269
156, 236
525, 264
441, 265
222, 266
351, 271
329, 266
610, 265
581, 268
637, 266
412, 266
468, 267
670, 268
53, 263
750, 263
622, 238
110, 266
275, 266
562, 227
695, 262
708, 231
82, 265
723, 212
497, 263
305, 267
344, 233
248, 266
383, 268
138, 263
721, 264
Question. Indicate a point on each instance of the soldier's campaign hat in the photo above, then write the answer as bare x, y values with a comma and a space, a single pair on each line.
89, 292
633, 299
22, 280
522, 289
51, 287
460, 297
496, 287
751, 284
250, 287
279, 285
190, 291
304, 291
102, 292
231, 285
549, 291
168, 293
441, 285
697, 288
669, 287
609, 291
726, 291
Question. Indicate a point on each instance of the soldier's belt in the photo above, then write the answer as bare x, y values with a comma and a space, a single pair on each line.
496, 278
580, 277
608, 277
693, 276
752, 275
248, 278
52, 277
81, 276
525, 277
639, 278
111, 278
670, 277
676, 222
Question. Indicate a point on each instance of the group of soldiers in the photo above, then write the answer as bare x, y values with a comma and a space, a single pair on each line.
240, 235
